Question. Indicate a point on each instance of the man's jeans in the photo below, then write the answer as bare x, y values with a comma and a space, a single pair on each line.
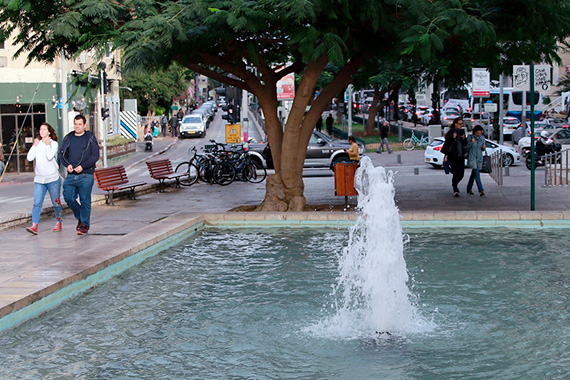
40, 189
79, 185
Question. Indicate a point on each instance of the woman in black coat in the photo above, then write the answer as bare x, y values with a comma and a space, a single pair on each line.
454, 148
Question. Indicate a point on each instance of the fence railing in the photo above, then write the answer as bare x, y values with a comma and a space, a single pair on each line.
557, 168
497, 167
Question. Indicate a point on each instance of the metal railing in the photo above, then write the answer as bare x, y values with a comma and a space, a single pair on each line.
557, 168
497, 167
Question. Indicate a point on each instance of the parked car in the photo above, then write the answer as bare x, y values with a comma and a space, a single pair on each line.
193, 125
557, 122
560, 136
206, 114
322, 152
434, 157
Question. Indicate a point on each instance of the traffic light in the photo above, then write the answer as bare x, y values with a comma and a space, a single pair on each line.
104, 113
230, 116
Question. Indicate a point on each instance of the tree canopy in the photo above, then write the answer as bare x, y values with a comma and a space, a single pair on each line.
252, 44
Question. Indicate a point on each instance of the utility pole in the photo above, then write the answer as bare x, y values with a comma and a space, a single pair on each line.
104, 131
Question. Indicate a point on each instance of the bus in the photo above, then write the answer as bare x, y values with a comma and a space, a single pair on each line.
512, 102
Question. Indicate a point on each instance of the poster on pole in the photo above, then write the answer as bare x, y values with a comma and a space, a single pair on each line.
286, 87
521, 77
481, 82
542, 79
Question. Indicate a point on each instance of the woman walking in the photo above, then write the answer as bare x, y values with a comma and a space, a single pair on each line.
44, 152
476, 146
454, 149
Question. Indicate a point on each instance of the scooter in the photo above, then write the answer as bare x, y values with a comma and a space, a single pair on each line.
541, 160
148, 142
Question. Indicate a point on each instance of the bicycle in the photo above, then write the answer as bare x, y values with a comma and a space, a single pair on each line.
412, 142
196, 167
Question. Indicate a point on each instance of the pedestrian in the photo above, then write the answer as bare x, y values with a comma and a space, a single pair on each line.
79, 153
2, 159
319, 125
154, 127
47, 179
173, 122
180, 115
353, 153
476, 146
163, 123
454, 148
384, 137
329, 122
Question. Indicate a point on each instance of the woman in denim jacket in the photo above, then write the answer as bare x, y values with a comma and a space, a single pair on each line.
476, 146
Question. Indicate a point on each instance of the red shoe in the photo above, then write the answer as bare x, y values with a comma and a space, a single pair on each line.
78, 225
33, 229
57, 227
83, 230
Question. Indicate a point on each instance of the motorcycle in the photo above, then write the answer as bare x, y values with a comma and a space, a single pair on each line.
541, 160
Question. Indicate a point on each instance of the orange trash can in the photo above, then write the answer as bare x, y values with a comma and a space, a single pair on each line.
344, 178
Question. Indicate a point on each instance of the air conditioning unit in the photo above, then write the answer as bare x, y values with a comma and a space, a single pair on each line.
82, 58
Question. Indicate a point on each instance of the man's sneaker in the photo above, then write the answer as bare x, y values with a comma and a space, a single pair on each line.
82, 230
78, 225
33, 229
57, 227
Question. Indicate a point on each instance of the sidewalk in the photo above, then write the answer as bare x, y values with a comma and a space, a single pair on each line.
34, 267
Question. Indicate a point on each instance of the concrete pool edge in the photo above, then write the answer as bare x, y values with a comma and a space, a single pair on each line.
105, 261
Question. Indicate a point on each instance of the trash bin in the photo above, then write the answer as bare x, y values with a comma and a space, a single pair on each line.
344, 178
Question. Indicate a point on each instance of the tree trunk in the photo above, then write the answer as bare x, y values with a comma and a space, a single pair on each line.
372, 112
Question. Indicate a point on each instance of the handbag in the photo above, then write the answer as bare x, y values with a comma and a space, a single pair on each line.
486, 168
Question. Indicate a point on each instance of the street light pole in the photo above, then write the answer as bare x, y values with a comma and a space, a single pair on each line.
104, 131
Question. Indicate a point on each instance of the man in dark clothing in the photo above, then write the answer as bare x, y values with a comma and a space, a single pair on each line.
180, 116
384, 137
79, 153
173, 122
319, 124
329, 123
163, 123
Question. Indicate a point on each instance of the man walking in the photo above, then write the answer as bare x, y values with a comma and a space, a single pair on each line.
163, 123
173, 122
79, 153
384, 137
329, 123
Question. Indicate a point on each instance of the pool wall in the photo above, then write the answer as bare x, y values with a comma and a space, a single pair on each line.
98, 264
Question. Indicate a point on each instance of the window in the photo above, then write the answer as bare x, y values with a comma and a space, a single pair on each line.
517, 97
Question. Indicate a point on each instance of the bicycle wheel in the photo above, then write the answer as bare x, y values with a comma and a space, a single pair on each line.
409, 144
255, 172
205, 168
223, 173
190, 170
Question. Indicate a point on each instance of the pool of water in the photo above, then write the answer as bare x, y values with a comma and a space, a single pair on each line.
246, 304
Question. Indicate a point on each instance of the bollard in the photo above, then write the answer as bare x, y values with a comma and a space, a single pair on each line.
506, 171
399, 158
400, 125
416, 171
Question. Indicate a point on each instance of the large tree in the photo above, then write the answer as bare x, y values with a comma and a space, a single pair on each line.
252, 44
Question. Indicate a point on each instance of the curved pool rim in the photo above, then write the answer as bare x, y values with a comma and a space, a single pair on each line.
150, 240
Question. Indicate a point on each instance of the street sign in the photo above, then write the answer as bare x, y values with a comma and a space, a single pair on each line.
233, 133
542, 79
521, 77
481, 82
490, 107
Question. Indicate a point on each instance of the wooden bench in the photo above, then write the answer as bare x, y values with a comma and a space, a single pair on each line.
162, 171
115, 179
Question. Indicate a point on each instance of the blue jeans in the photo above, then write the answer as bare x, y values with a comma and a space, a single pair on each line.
79, 185
475, 176
40, 189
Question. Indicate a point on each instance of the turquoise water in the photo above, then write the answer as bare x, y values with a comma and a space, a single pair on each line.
247, 304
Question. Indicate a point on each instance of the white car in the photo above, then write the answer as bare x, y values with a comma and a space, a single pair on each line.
193, 125
434, 157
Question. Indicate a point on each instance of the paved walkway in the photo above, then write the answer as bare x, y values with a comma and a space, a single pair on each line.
33, 267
